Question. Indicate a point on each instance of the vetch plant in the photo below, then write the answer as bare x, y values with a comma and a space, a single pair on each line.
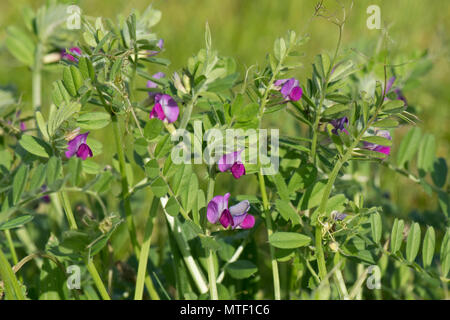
92, 180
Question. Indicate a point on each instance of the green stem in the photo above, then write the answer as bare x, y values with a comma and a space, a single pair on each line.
37, 79
275, 272
124, 182
68, 210
211, 270
11, 247
143, 258
212, 276
97, 280
89, 263
126, 194
276, 276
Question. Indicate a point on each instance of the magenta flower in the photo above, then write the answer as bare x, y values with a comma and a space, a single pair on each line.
165, 108
151, 84
232, 162
289, 88
340, 124
76, 53
236, 216
375, 147
160, 45
78, 147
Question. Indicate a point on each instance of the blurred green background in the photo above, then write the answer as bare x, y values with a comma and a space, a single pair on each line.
246, 29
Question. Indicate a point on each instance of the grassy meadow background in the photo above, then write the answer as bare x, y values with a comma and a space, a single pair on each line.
246, 29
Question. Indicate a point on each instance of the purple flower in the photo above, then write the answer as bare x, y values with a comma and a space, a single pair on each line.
236, 216
375, 147
232, 162
338, 216
339, 125
151, 84
160, 45
76, 52
45, 198
165, 108
22, 125
398, 92
78, 147
289, 88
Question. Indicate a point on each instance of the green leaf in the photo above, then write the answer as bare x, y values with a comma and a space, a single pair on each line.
241, 269
19, 181
282, 188
53, 170
413, 242
394, 106
159, 188
153, 128
248, 112
397, 235
279, 49
69, 82
75, 168
428, 247
163, 147
16, 222
35, 146
152, 169
287, 212
86, 68
20, 45
427, 153
334, 110
77, 77
302, 178
38, 176
313, 195
209, 242
289, 240
408, 146
378, 140
386, 123
376, 226
42, 125
439, 173
172, 207
63, 113
93, 120
13, 291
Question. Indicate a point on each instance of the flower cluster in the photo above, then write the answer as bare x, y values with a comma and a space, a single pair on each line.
289, 88
235, 216
72, 54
